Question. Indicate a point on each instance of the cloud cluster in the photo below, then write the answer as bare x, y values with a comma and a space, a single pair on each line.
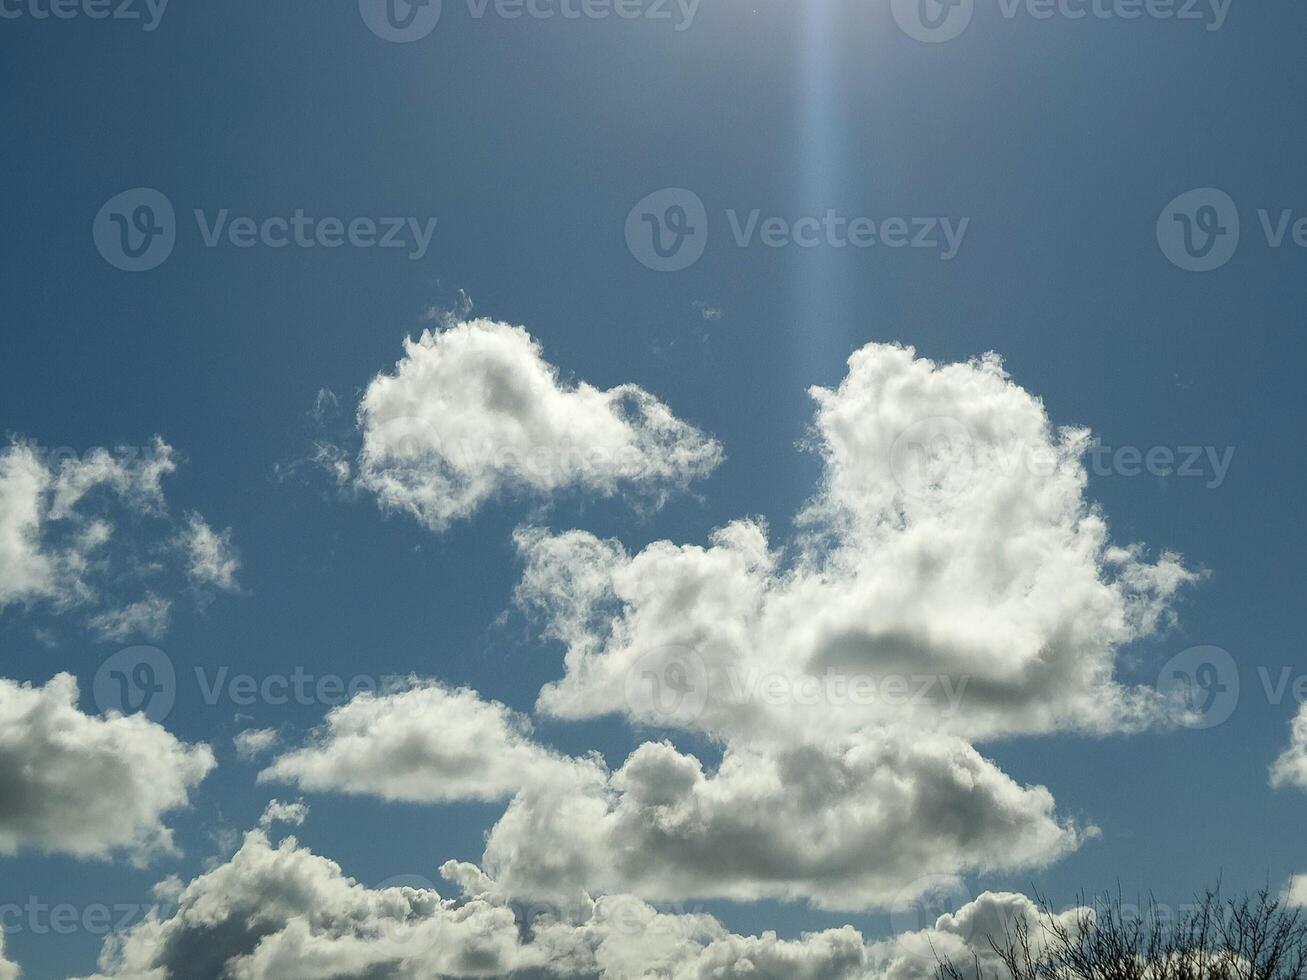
277, 910
950, 583
474, 412
78, 784
950, 540
841, 825
62, 543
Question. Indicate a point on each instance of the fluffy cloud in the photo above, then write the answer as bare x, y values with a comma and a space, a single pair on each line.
1290, 769
474, 412
950, 543
46, 545
254, 742
425, 743
278, 811
849, 826
83, 785
59, 534
25, 573
213, 560
950, 583
277, 910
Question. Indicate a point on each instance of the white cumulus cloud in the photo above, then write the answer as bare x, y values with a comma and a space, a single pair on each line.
78, 784
424, 743
474, 411
848, 826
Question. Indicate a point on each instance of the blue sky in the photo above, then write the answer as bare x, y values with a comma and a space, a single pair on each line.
529, 140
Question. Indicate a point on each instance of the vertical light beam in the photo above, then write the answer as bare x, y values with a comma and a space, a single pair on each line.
818, 294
